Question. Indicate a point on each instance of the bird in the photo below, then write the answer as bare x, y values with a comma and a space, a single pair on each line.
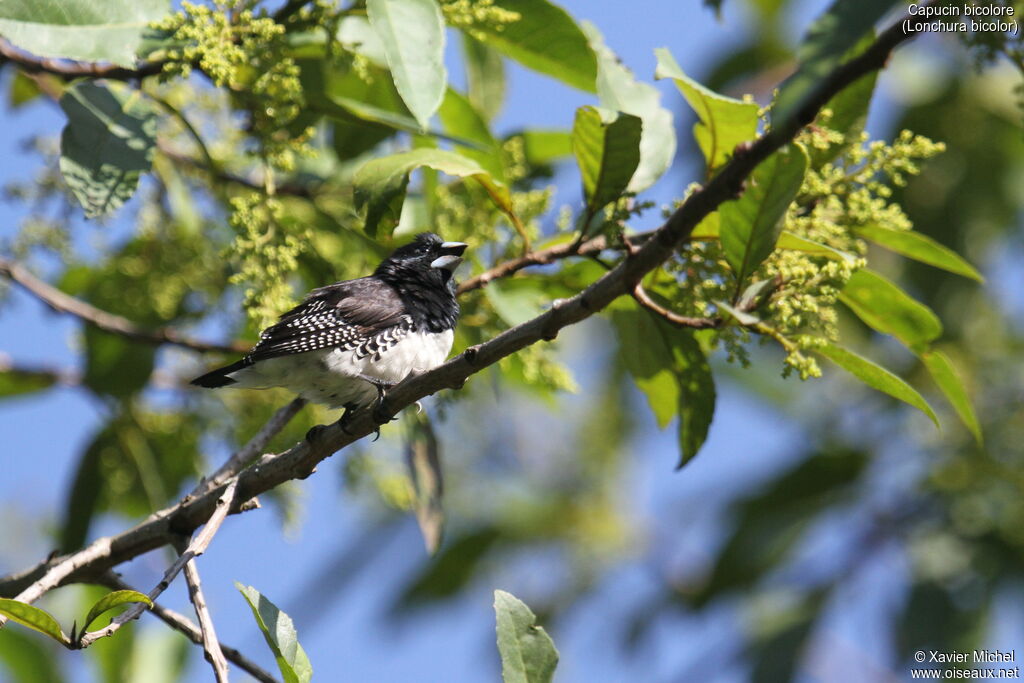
348, 342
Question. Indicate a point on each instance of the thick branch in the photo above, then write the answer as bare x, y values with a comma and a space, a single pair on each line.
301, 460
68, 69
108, 322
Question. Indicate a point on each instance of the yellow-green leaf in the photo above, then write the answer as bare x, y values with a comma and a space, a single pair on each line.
750, 226
607, 149
528, 654
86, 30
279, 632
885, 307
919, 247
543, 38
942, 370
412, 33
723, 121
877, 377
619, 90
32, 617
112, 600
379, 184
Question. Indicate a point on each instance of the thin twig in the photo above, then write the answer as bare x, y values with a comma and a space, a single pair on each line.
190, 630
108, 322
68, 69
301, 460
645, 300
211, 646
195, 548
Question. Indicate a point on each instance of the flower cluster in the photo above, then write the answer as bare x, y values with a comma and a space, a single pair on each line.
849, 185
470, 15
247, 55
266, 254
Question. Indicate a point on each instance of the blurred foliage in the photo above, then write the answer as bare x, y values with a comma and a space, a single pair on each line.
281, 148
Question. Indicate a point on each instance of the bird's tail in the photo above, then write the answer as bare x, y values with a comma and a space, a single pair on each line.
219, 377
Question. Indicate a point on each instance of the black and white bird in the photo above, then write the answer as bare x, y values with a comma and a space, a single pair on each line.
347, 342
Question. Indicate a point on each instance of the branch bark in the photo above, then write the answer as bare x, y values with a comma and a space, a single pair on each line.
108, 322
301, 460
68, 69
194, 549
180, 622
211, 646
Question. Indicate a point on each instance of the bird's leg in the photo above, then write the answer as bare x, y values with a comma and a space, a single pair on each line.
378, 415
316, 431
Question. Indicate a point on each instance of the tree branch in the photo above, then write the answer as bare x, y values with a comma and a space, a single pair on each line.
194, 549
645, 300
108, 322
68, 69
211, 646
180, 622
301, 460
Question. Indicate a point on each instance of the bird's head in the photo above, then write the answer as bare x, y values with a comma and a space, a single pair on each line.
427, 259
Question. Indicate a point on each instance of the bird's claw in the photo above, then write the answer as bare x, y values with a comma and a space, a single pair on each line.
315, 433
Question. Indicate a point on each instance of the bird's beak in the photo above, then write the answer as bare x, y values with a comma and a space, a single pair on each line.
448, 262
453, 248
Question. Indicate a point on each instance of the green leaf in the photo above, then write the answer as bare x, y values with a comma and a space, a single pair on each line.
109, 31
357, 35
462, 120
379, 185
669, 367
412, 32
544, 38
280, 635
528, 654
114, 365
942, 370
919, 247
723, 122
485, 76
27, 658
22, 90
618, 90
16, 381
106, 145
422, 458
546, 146
888, 309
877, 377
750, 225
32, 617
607, 149
111, 601
827, 42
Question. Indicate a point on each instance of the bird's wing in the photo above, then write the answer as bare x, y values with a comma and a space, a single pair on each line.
358, 314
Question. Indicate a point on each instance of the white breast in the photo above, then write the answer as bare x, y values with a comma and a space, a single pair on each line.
330, 376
